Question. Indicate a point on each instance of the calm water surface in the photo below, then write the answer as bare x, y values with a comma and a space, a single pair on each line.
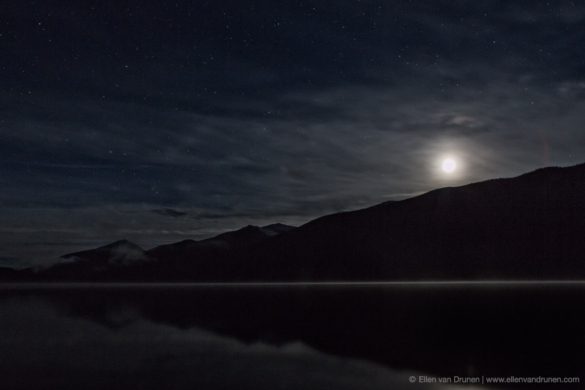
285, 337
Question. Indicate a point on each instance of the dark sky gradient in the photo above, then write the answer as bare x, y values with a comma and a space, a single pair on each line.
159, 121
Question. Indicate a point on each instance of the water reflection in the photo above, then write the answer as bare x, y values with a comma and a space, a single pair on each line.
284, 338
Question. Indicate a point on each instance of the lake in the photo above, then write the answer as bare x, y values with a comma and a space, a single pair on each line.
289, 336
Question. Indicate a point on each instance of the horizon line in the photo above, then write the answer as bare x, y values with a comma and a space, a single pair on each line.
282, 284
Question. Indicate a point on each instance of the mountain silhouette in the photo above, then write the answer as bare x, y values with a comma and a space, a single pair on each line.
92, 262
7, 273
126, 260
528, 227
119, 252
525, 227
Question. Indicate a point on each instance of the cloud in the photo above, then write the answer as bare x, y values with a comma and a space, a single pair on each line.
170, 212
372, 145
288, 114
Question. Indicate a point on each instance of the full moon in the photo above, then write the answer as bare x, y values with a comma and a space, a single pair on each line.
449, 165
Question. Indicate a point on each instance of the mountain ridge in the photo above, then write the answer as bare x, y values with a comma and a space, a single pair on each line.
522, 227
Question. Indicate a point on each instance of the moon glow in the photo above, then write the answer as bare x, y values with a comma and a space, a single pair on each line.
449, 165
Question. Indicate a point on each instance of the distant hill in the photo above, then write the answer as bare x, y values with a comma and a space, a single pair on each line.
121, 252
528, 227
8, 273
125, 260
86, 264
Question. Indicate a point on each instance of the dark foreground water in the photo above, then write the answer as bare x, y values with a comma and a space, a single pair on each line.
332, 337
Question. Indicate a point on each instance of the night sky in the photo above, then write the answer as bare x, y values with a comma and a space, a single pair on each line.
160, 121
